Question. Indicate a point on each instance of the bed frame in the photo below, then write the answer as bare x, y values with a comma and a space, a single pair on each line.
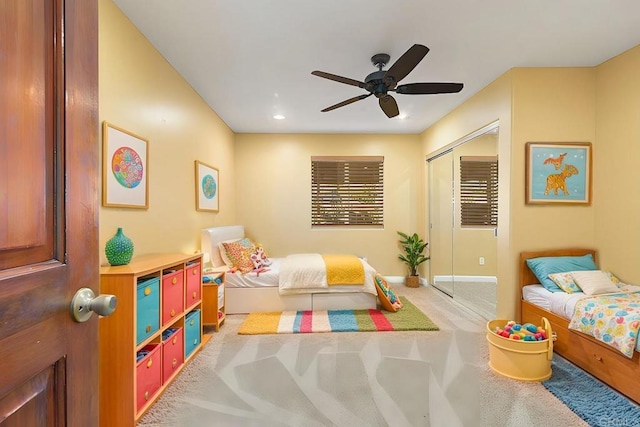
248, 300
600, 360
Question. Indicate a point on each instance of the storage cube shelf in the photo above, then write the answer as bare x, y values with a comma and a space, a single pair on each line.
155, 330
148, 308
213, 302
193, 332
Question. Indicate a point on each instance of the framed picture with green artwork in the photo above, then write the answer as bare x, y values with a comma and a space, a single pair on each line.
207, 188
558, 173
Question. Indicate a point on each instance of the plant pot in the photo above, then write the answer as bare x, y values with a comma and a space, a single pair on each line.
412, 281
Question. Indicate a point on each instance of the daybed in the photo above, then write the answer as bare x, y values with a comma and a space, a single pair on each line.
260, 291
602, 361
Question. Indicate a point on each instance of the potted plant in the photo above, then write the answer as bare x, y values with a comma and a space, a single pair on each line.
413, 247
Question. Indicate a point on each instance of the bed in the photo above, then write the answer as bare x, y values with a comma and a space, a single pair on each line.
599, 359
261, 291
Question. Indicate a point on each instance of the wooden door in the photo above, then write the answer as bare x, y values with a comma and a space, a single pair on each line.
48, 211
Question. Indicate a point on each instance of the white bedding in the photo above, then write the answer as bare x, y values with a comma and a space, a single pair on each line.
271, 278
303, 273
313, 277
559, 303
264, 279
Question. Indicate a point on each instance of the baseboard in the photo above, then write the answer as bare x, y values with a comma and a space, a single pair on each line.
471, 279
396, 280
399, 280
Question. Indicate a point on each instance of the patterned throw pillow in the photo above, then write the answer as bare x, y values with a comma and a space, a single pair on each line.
614, 279
385, 294
565, 282
239, 254
259, 258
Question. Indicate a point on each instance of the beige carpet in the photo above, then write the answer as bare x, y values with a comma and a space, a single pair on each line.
349, 379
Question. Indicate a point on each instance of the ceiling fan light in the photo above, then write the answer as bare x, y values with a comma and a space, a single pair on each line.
278, 117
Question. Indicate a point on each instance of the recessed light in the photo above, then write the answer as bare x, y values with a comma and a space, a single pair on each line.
278, 117
402, 116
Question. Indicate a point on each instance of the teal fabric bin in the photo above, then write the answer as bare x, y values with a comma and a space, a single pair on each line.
192, 329
148, 308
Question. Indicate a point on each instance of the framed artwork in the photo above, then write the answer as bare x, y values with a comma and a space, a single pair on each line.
207, 188
125, 168
558, 173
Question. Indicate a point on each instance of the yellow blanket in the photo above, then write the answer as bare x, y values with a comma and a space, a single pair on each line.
344, 270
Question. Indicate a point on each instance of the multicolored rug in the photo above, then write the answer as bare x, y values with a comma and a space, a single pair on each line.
408, 318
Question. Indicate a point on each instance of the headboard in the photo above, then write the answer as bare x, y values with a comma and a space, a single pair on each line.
527, 277
210, 237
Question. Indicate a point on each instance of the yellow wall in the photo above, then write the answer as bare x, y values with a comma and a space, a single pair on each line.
616, 171
549, 105
142, 93
273, 183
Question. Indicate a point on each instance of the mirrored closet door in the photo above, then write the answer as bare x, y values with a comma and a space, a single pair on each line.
463, 213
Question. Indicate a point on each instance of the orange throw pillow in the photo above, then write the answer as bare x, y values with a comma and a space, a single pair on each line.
239, 253
384, 293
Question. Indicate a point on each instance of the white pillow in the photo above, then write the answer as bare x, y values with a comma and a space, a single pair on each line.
215, 257
594, 282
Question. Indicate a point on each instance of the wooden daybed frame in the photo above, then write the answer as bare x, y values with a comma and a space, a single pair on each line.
600, 360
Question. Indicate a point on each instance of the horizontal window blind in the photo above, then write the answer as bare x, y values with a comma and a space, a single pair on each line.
479, 191
347, 190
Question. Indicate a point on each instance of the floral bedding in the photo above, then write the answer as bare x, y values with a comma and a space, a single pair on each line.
613, 319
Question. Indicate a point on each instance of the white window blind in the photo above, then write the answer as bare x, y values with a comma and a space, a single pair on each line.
478, 191
347, 190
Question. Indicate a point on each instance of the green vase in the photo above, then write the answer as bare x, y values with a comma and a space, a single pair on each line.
119, 249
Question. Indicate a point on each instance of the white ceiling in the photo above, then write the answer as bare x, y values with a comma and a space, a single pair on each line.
252, 59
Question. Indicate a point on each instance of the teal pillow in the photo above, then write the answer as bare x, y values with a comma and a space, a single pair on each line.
544, 266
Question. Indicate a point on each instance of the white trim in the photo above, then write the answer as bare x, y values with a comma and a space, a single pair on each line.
485, 129
396, 280
479, 279
399, 280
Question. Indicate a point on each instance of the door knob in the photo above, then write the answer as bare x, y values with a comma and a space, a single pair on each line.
85, 303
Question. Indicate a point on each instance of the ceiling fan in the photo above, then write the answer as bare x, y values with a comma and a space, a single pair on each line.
380, 83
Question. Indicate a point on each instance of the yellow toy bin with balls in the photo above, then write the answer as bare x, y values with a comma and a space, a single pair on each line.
518, 359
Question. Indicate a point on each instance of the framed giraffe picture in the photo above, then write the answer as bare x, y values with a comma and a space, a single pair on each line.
558, 173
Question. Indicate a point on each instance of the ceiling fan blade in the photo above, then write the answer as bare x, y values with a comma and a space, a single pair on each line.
347, 102
405, 64
428, 88
339, 79
389, 105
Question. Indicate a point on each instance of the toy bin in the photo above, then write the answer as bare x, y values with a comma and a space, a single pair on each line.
520, 360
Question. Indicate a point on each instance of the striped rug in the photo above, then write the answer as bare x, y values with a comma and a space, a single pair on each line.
408, 318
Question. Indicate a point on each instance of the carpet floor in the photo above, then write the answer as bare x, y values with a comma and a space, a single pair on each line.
412, 378
409, 318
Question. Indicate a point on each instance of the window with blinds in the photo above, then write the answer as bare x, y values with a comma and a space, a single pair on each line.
347, 190
478, 191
